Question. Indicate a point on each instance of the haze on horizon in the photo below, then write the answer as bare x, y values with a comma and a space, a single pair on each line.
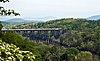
56, 8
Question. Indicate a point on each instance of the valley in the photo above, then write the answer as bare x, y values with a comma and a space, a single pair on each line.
81, 34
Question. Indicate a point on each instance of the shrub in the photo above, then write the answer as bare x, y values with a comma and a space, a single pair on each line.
12, 53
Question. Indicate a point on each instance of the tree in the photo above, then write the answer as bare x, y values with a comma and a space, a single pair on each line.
13, 37
0, 29
85, 56
12, 53
5, 12
8, 12
70, 54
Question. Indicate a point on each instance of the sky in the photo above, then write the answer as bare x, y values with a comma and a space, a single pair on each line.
55, 8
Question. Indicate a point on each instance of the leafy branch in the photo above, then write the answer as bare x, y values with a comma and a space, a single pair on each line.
8, 12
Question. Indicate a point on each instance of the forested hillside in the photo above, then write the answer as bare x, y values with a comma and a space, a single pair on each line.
79, 35
76, 40
65, 23
7, 25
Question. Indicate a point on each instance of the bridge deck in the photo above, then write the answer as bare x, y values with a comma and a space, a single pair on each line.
44, 29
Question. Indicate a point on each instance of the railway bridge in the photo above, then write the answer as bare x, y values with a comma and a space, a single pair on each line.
29, 33
31, 30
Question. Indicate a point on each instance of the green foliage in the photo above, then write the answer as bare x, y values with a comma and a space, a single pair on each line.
71, 53
80, 33
55, 53
0, 29
12, 53
70, 39
0, 26
13, 37
85, 56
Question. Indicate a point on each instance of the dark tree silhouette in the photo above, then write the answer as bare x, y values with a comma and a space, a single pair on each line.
6, 12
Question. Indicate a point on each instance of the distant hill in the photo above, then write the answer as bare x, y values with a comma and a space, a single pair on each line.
26, 19
41, 19
13, 20
96, 17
